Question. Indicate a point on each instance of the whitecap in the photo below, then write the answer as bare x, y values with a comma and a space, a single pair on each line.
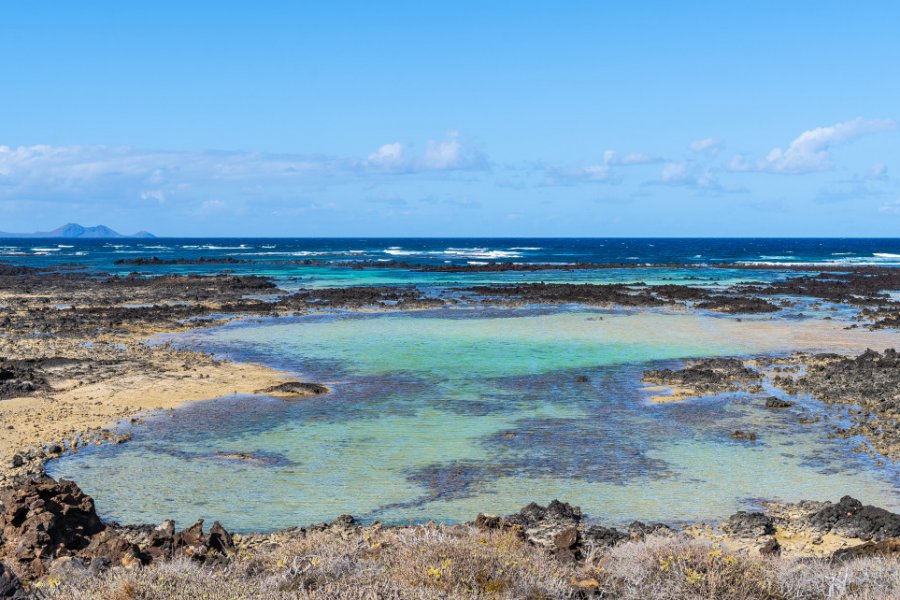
481, 253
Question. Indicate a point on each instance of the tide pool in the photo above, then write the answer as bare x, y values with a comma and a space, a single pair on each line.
440, 415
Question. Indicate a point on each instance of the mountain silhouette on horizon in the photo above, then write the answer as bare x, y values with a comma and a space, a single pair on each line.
74, 230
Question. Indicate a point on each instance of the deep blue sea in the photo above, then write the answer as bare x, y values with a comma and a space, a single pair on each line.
103, 253
279, 257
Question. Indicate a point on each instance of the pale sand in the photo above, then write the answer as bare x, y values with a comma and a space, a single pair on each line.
159, 378
660, 394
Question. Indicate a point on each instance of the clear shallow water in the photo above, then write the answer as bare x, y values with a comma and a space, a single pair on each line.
444, 414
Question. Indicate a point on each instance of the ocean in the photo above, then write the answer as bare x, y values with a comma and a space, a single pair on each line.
102, 254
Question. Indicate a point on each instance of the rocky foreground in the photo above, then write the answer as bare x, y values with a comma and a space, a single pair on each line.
54, 545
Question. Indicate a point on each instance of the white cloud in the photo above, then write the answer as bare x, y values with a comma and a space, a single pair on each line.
809, 152
890, 208
611, 157
570, 176
711, 145
877, 171
157, 196
446, 154
449, 154
689, 174
594, 173
208, 207
96, 173
388, 155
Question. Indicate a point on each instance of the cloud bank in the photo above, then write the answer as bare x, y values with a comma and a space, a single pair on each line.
810, 151
66, 172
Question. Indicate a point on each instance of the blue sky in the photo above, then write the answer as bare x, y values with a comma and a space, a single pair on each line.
452, 118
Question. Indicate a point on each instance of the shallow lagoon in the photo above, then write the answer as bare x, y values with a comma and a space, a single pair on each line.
444, 414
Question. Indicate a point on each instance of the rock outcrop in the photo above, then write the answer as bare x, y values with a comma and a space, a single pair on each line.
559, 528
850, 518
48, 525
43, 520
10, 586
707, 376
746, 525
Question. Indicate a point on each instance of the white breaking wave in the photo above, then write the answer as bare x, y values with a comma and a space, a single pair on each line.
885, 255
481, 253
849, 262
455, 252
294, 253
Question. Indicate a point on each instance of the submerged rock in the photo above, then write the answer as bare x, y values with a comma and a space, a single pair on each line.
776, 403
870, 381
296, 389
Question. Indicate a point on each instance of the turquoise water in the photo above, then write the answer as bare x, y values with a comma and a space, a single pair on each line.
440, 415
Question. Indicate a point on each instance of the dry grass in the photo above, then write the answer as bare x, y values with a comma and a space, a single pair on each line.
462, 562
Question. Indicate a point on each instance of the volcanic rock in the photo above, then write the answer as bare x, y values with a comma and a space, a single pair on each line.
776, 403
744, 524
850, 518
10, 586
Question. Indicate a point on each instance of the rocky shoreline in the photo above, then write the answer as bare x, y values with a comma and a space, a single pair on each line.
73, 352
67, 333
869, 384
50, 532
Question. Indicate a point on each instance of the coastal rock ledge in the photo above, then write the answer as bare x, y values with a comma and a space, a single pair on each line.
50, 528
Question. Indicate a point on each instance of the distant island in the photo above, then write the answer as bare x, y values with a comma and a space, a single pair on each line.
74, 230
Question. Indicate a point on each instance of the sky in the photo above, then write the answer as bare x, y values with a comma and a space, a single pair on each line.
456, 118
